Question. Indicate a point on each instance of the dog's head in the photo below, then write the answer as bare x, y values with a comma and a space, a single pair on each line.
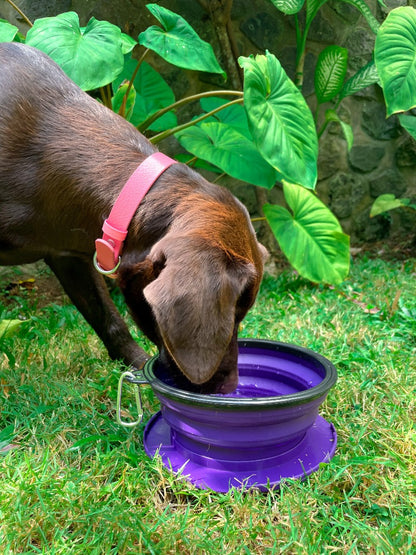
192, 290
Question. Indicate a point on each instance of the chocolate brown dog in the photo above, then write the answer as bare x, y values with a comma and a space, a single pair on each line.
191, 265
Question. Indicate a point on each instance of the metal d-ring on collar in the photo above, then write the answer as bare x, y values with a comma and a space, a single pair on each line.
108, 248
108, 273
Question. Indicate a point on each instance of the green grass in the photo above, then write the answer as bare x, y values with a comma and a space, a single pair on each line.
73, 482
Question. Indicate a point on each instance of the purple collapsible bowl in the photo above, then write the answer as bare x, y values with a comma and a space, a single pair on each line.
267, 431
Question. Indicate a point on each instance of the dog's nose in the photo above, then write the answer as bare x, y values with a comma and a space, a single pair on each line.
228, 386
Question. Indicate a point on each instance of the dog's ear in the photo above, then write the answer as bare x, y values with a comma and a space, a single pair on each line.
194, 302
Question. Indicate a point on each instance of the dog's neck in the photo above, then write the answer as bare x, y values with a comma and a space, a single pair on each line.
115, 228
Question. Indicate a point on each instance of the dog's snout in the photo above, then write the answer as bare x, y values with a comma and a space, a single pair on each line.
228, 386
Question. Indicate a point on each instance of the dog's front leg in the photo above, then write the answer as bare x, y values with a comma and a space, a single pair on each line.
88, 291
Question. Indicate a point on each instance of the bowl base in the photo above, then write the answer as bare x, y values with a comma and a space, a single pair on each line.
317, 446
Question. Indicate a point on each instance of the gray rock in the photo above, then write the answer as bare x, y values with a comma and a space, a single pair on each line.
322, 29
263, 30
360, 44
345, 191
332, 156
375, 124
389, 181
347, 12
390, 5
406, 153
365, 158
369, 229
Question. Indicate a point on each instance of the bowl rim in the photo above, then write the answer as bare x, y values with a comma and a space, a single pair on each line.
250, 403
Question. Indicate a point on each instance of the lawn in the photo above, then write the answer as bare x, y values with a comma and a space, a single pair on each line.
73, 482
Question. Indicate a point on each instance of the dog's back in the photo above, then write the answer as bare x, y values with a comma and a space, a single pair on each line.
55, 141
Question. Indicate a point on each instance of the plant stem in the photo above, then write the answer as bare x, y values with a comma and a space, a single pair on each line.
298, 32
300, 53
160, 136
321, 131
122, 110
192, 161
13, 5
262, 219
219, 177
301, 50
145, 124
300, 63
106, 96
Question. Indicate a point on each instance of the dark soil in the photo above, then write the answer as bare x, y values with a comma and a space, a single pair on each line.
35, 282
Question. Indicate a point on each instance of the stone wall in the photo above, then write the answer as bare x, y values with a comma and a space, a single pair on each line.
383, 157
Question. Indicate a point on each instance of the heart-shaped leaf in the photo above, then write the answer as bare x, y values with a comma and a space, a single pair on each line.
91, 57
409, 123
152, 94
384, 203
330, 72
311, 237
7, 31
194, 162
127, 43
364, 77
395, 57
224, 147
289, 7
234, 115
178, 43
280, 121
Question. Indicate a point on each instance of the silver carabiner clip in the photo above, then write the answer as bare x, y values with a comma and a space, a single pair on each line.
130, 377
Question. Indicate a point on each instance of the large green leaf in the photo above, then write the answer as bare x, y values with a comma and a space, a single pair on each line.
234, 115
395, 57
178, 43
365, 76
91, 57
7, 31
311, 237
194, 162
289, 7
330, 72
152, 94
280, 121
127, 43
223, 146
387, 202
409, 123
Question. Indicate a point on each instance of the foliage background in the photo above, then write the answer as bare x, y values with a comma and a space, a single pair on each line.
383, 158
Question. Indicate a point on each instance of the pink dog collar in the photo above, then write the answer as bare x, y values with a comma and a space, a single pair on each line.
108, 249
